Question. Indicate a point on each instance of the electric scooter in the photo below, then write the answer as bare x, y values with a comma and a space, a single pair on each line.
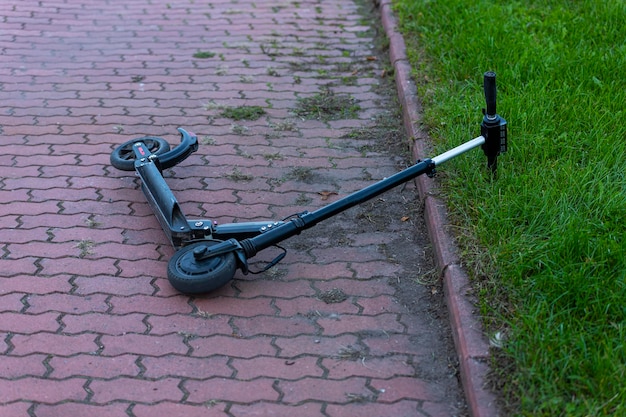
208, 254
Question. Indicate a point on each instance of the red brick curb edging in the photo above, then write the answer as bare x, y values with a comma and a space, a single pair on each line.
470, 342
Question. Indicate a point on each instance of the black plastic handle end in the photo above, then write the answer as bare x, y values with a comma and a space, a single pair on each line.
490, 93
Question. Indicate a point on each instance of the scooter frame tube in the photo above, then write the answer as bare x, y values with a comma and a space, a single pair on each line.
251, 246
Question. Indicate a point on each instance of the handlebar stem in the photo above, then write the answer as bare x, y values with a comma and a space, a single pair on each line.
493, 127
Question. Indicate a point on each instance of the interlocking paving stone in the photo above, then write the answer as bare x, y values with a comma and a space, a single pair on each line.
89, 324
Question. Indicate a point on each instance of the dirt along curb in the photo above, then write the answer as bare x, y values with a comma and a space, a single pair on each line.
469, 338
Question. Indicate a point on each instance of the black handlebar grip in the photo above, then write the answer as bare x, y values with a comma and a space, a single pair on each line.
490, 93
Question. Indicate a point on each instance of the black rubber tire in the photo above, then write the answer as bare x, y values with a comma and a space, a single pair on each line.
191, 276
123, 157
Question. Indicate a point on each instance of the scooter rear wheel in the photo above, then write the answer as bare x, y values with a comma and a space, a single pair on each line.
190, 274
123, 157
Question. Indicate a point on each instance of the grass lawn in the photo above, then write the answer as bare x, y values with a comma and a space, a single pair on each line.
545, 243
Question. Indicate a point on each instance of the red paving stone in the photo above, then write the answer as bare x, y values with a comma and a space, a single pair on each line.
231, 390
89, 324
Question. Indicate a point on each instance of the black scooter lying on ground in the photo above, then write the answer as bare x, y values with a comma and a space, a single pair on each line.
208, 254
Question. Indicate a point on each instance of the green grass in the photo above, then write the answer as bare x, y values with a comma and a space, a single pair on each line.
204, 54
545, 242
243, 112
326, 105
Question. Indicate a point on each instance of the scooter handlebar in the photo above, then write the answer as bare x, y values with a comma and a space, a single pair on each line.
490, 94
493, 127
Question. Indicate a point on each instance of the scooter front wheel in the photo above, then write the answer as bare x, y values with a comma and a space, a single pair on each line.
123, 157
190, 274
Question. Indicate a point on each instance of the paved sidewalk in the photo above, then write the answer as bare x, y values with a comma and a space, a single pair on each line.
89, 324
